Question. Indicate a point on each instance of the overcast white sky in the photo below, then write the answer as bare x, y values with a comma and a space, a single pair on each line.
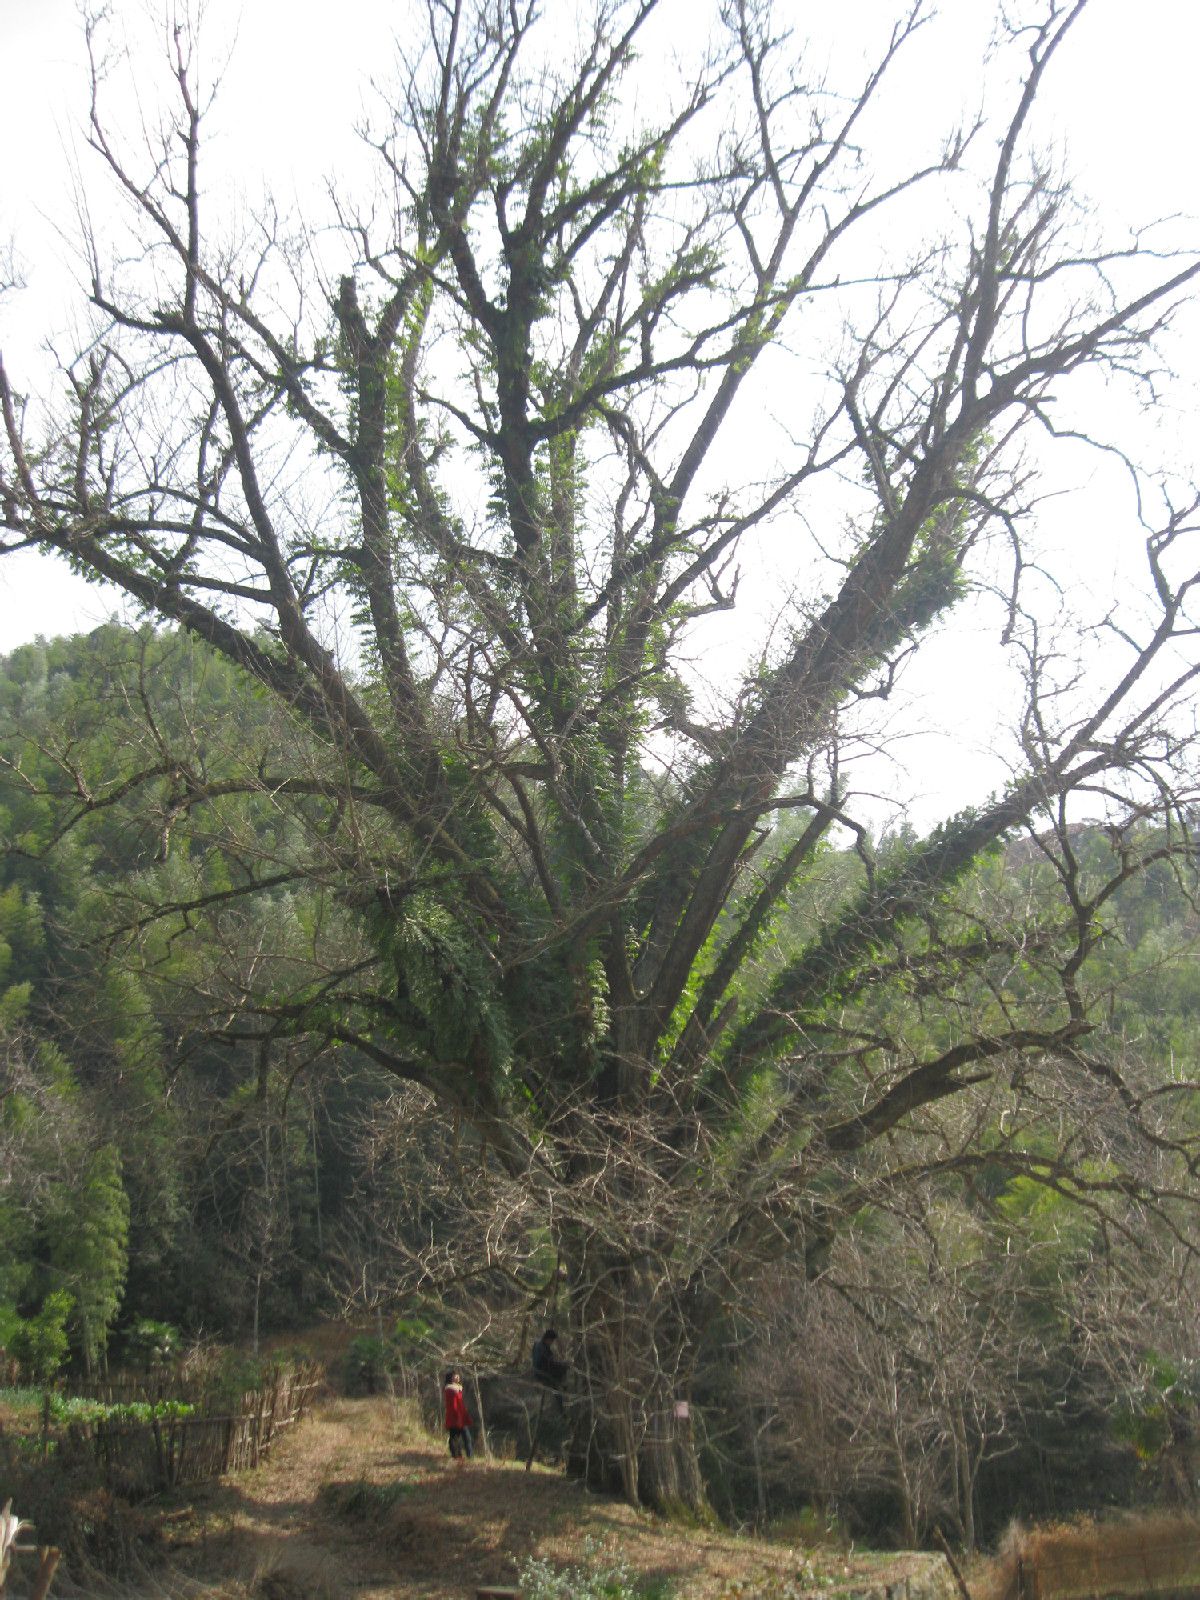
1122, 102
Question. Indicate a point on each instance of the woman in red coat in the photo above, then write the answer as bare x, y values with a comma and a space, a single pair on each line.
458, 1418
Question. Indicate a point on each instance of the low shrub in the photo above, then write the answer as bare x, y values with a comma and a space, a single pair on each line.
153, 1344
600, 1576
40, 1343
365, 1366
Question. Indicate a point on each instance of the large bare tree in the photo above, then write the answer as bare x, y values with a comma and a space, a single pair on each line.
591, 345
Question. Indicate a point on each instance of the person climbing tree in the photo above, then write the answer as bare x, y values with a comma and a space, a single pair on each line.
548, 1368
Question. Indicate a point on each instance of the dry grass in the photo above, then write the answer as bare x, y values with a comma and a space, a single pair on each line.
360, 1500
1135, 1556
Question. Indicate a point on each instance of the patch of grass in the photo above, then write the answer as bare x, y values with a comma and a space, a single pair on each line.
688, 1518
276, 1576
21, 1407
408, 1423
656, 1589
811, 1528
361, 1500
806, 1581
282, 1578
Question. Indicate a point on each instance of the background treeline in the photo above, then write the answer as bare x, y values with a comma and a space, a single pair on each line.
979, 1344
152, 1171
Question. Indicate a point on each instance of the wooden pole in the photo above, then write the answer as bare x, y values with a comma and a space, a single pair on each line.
537, 1431
479, 1416
160, 1458
954, 1566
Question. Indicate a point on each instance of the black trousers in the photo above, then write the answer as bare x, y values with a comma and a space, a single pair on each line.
460, 1442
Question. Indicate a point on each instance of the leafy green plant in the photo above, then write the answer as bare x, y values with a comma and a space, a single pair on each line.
40, 1343
1162, 1408
74, 1408
600, 1576
153, 1343
88, 1233
235, 1375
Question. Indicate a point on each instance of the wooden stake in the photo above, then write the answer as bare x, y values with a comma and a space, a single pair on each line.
954, 1567
537, 1432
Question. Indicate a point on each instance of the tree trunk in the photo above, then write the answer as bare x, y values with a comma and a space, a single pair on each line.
632, 1429
258, 1278
964, 1479
756, 1451
635, 1446
904, 1484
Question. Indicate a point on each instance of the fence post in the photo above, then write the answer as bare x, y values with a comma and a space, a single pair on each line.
479, 1416
163, 1481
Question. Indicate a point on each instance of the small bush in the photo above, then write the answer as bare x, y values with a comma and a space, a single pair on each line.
364, 1367
811, 1527
230, 1375
599, 1577
40, 1343
154, 1344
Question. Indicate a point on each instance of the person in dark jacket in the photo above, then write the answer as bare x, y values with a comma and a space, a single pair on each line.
459, 1421
547, 1368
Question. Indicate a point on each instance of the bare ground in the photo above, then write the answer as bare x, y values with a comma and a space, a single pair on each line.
358, 1502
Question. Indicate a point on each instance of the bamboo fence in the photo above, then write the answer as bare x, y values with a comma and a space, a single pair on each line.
1162, 1563
143, 1457
132, 1390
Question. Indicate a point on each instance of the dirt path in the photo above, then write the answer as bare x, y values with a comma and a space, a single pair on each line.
352, 1503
